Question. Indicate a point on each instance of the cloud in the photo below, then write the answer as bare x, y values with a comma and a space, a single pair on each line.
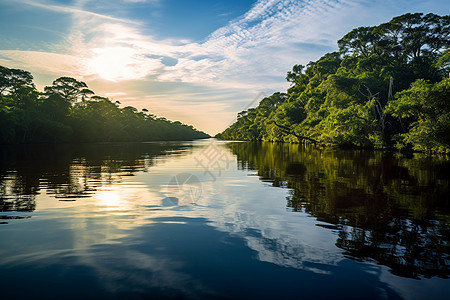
254, 48
43, 62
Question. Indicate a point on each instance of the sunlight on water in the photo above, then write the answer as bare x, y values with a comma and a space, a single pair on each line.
110, 198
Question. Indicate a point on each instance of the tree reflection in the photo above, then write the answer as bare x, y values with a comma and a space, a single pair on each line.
387, 207
67, 172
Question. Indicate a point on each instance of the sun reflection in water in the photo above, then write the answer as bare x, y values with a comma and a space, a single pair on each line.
110, 198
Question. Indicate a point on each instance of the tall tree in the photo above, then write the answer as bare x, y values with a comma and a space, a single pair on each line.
68, 88
15, 81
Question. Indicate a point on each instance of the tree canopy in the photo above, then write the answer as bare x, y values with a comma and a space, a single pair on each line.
387, 85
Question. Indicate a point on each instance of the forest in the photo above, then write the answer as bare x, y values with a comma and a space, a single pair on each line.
68, 111
387, 86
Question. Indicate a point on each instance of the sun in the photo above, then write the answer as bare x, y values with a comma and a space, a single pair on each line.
115, 63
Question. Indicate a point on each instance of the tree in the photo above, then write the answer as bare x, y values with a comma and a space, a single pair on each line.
68, 88
443, 63
428, 105
15, 81
361, 41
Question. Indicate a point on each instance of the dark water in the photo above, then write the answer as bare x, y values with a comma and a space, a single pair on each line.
215, 220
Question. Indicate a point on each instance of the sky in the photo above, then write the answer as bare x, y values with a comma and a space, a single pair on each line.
200, 61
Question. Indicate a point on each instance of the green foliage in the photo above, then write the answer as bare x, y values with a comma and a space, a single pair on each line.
69, 112
347, 97
443, 62
428, 106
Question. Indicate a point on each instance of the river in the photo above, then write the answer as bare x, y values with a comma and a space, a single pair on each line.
211, 219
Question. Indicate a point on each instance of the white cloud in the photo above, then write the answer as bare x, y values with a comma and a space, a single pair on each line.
43, 62
261, 45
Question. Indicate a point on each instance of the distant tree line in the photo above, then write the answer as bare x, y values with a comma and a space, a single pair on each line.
68, 111
387, 86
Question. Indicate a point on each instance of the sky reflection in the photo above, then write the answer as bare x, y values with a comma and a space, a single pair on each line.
118, 226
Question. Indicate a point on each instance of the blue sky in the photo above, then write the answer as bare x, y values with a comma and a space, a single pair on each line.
199, 62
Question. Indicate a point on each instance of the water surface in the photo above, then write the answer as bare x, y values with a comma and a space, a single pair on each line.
218, 220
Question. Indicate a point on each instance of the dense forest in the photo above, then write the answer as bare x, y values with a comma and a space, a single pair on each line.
387, 86
68, 111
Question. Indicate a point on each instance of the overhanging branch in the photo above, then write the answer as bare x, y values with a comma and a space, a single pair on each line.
287, 130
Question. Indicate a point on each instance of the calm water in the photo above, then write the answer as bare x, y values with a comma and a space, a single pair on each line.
216, 220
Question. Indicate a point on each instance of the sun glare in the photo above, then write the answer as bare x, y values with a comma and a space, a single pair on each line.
115, 63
